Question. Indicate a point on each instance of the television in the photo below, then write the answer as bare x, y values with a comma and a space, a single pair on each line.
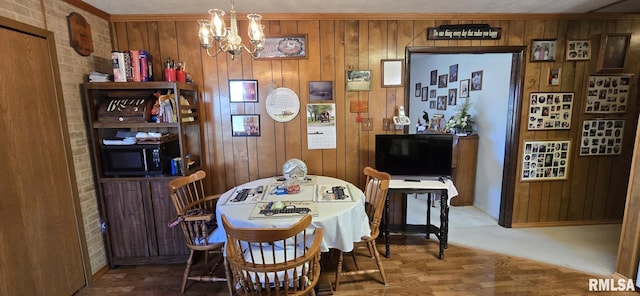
426, 155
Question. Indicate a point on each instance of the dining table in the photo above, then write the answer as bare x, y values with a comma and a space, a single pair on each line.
334, 204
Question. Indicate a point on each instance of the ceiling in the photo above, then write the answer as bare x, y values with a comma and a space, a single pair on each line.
123, 7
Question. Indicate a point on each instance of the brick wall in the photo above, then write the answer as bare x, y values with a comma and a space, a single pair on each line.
73, 71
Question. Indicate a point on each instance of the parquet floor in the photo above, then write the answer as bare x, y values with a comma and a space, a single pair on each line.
413, 269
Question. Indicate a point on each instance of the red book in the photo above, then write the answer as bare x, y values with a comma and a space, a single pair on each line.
135, 65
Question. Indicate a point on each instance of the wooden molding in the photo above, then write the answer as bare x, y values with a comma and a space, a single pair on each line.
88, 8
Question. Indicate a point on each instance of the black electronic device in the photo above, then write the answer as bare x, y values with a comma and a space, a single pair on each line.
427, 155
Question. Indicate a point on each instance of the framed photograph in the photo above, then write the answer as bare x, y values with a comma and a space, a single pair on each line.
442, 80
392, 72
432, 93
320, 90
432, 104
613, 52
578, 50
607, 93
543, 50
464, 88
358, 80
434, 78
284, 47
425, 93
243, 91
553, 76
550, 111
245, 125
418, 89
453, 73
545, 160
453, 96
602, 137
476, 80
441, 103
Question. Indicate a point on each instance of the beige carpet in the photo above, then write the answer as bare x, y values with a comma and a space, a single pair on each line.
591, 249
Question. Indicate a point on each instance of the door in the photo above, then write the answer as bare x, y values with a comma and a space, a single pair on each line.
40, 246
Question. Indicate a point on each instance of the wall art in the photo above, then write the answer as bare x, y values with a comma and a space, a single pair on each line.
245, 125
320, 90
578, 50
550, 111
607, 94
358, 80
243, 91
543, 50
284, 47
545, 160
602, 137
613, 52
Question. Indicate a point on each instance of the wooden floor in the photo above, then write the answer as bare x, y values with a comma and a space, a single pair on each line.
413, 269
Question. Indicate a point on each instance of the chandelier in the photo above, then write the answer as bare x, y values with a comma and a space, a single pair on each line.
227, 39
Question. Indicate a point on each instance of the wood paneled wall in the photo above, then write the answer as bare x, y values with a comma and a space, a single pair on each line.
596, 187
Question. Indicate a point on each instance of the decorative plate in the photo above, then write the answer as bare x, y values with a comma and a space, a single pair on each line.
282, 104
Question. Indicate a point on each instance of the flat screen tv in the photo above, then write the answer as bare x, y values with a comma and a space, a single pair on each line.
414, 155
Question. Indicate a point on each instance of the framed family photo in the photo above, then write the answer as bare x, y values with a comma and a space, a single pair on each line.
613, 52
245, 125
476, 80
578, 50
464, 88
434, 77
243, 91
543, 50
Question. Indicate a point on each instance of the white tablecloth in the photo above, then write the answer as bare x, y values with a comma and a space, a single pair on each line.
344, 222
401, 184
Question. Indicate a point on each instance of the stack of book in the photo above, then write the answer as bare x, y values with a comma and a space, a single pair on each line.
134, 65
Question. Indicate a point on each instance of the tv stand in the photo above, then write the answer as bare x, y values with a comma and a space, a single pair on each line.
444, 187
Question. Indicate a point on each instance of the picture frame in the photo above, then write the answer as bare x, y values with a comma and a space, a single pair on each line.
418, 92
613, 52
578, 50
476, 80
245, 125
284, 47
243, 91
453, 97
554, 76
425, 93
453, 73
392, 72
443, 80
545, 160
543, 50
434, 77
358, 80
432, 93
550, 111
321, 91
602, 137
441, 103
464, 88
607, 93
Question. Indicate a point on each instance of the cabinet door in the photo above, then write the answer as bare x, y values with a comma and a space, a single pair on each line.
170, 241
126, 226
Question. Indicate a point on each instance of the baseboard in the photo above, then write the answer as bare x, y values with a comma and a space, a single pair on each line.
102, 271
565, 223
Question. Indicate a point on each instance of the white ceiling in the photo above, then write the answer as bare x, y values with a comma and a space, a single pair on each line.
122, 7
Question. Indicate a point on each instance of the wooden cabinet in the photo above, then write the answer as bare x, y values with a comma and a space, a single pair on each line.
136, 207
464, 165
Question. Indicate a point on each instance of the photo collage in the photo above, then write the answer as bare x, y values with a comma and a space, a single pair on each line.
550, 111
602, 137
545, 160
607, 94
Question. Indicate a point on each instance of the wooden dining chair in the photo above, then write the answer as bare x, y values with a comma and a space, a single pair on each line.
375, 192
196, 217
274, 261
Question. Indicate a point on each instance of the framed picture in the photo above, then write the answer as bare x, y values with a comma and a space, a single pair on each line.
425, 93
432, 104
553, 76
284, 47
543, 50
392, 72
441, 103
453, 96
245, 125
550, 111
434, 78
578, 50
320, 90
613, 52
243, 91
464, 88
476, 80
453, 73
442, 80
607, 94
418, 89
358, 80
545, 160
432, 93
602, 137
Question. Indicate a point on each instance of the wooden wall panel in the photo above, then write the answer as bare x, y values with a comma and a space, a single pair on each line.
594, 191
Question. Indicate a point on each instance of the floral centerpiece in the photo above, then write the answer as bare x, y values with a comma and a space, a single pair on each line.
461, 122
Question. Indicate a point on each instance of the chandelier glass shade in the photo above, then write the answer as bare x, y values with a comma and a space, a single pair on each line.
214, 32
